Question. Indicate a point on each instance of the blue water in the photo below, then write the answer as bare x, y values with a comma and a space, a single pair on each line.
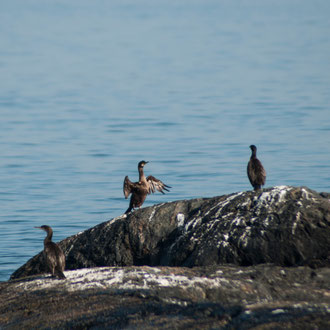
90, 88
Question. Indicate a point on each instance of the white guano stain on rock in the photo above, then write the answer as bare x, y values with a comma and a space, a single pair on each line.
305, 193
278, 311
110, 222
276, 195
265, 200
193, 223
111, 277
294, 225
218, 216
244, 239
237, 222
223, 242
269, 199
154, 209
152, 214
180, 219
222, 204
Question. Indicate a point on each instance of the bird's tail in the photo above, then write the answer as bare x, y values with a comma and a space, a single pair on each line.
129, 210
59, 274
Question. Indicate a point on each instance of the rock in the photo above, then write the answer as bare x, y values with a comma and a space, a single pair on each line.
286, 226
218, 297
211, 239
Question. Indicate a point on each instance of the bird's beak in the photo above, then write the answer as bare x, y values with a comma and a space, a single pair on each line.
38, 227
147, 162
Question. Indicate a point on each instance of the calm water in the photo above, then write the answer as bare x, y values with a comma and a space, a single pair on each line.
90, 88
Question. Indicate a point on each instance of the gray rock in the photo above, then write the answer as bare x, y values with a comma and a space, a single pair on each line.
218, 297
286, 226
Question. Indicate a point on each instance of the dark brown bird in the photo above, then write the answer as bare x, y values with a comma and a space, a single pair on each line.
255, 170
53, 254
140, 189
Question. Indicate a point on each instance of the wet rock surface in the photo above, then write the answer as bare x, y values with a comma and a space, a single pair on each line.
287, 226
219, 297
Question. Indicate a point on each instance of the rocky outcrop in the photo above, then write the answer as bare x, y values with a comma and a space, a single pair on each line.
219, 297
211, 240
286, 226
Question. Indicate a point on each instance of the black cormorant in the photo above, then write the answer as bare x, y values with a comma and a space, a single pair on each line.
53, 254
255, 170
141, 189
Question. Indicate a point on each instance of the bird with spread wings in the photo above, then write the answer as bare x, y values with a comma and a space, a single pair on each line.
140, 189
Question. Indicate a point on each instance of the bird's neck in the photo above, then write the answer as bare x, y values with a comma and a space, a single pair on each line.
142, 177
48, 237
254, 155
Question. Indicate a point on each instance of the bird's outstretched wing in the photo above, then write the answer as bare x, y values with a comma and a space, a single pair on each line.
127, 186
155, 184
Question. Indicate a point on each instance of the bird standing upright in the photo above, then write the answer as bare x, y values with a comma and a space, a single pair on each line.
255, 170
53, 254
140, 189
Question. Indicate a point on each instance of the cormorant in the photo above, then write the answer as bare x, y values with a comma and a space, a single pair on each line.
53, 254
255, 170
141, 189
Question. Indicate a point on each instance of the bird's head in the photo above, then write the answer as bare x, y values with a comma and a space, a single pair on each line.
142, 163
253, 147
45, 228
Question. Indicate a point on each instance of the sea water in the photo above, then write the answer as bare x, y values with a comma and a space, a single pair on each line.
90, 88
